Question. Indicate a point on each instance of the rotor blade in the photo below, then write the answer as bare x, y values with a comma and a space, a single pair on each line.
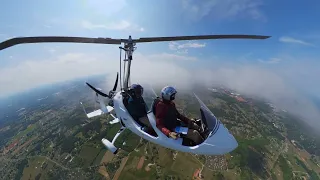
116, 83
97, 91
43, 39
179, 38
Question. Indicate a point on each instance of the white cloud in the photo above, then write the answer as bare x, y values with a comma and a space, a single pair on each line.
105, 7
52, 50
183, 48
263, 83
287, 39
270, 61
163, 69
197, 10
172, 57
31, 73
120, 25
47, 26
183, 51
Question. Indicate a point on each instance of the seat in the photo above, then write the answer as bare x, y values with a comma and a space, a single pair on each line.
125, 100
153, 105
125, 103
153, 110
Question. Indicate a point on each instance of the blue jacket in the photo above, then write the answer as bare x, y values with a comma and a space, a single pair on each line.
137, 108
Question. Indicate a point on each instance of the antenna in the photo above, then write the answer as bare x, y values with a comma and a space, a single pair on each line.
153, 91
124, 66
120, 69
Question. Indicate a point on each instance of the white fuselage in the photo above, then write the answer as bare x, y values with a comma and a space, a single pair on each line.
220, 143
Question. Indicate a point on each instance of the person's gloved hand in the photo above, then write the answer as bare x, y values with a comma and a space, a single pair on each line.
173, 135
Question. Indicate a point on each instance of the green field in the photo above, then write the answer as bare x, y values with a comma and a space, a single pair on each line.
130, 170
99, 157
24, 132
264, 151
34, 168
162, 158
89, 153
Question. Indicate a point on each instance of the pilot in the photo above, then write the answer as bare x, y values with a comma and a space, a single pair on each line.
166, 117
137, 107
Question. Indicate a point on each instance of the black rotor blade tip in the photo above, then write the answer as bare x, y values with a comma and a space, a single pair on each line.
97, 91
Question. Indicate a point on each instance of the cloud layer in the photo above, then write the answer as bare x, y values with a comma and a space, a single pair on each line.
197, 10
177, 46
165, 69
121, 25
270, 61
286, 39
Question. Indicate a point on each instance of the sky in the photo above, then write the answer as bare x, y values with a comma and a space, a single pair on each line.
283, 69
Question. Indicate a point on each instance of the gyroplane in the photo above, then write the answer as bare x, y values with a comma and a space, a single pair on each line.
219, 141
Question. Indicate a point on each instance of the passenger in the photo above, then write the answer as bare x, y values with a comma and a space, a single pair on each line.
167, 115
137, 107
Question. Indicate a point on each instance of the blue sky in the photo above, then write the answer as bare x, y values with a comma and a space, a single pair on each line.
287, 63
297, 22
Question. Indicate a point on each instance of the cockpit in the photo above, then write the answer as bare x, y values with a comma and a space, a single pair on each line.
137, 108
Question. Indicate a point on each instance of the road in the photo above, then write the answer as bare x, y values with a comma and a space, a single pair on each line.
58, 164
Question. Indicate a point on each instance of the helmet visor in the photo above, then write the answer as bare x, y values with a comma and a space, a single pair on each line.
138, 92
173, 96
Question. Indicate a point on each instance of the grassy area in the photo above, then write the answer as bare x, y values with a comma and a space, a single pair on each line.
138, 174
185, 165
276, 171
312, 174
302, 156
99, 157
34, 168
130, 170
26, 131
80, 135
285, 168
131, 139
165, 157
293, 162
259, 146
89, 154
249, 155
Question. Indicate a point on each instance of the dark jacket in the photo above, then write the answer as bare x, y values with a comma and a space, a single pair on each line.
167, 115
137, 108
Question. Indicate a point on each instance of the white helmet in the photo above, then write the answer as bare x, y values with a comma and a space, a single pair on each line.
168, 93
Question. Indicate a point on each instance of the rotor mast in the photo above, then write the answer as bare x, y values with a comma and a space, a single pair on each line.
129, 48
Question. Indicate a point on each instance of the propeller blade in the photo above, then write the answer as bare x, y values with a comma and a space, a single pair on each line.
179, 38
43, 39
97, 91
116, 83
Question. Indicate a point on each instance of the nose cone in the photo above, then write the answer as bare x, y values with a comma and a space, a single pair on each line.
222, 142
